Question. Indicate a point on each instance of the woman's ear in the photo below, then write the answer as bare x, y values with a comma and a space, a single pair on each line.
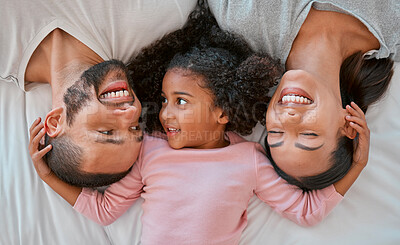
347, 130
53, 122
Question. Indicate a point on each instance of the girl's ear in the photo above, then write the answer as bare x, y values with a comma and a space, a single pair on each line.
53, 122
223, 118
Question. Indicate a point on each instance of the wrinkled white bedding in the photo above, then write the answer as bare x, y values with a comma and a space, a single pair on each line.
31, 213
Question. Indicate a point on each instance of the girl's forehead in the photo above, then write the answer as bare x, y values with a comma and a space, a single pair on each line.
177, 80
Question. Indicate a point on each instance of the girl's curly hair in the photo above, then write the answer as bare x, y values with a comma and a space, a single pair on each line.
238, 78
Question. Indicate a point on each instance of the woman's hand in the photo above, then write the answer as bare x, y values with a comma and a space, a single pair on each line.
358, 122
37, 132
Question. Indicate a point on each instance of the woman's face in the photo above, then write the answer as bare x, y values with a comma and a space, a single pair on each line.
304, 120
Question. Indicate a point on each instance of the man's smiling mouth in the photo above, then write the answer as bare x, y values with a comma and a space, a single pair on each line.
116, 92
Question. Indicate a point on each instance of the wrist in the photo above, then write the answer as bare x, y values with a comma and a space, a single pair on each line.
358, 166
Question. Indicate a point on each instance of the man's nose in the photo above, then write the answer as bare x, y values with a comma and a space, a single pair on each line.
126, 115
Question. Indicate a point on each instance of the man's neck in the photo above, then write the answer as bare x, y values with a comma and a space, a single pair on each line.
57, 53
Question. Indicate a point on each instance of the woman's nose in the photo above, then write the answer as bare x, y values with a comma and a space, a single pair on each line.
290, 116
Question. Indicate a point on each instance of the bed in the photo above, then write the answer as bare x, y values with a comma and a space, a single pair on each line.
31, 213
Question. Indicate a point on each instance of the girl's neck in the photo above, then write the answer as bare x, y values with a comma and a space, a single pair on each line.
218, 140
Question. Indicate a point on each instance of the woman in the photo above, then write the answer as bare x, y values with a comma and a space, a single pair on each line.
324, 47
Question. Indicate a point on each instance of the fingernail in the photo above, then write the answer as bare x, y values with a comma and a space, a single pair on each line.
348, 117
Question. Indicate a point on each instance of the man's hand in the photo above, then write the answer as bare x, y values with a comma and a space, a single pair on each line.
37, 132
358, 122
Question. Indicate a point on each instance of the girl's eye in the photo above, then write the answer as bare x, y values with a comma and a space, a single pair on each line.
181, 101
164, 100
106, 132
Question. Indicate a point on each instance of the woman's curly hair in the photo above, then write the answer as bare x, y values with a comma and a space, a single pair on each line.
238, 78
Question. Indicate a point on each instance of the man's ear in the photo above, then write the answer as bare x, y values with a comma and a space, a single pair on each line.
223, 118
53, 122
348, 131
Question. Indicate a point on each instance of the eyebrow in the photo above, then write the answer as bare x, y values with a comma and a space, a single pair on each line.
298, 145
109, 141
276, 144
182, 93
178, 93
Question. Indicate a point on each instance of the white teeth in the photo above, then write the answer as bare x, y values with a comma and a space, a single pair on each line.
173, 130
296, 99
115, 94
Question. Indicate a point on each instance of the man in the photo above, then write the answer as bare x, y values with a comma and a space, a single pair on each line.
95, 112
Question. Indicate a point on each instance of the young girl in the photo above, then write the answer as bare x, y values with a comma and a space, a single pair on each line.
196, 185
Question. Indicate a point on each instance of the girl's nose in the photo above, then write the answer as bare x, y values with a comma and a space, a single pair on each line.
166, 113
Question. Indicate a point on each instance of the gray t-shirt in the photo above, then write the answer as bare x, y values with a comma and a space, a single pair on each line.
271, 26
112, 29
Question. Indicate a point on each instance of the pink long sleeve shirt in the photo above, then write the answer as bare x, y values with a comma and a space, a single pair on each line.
194, 196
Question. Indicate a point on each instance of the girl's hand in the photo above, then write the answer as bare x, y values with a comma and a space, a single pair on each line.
36, 134
358, 122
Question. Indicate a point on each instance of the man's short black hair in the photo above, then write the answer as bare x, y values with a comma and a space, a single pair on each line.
64, 160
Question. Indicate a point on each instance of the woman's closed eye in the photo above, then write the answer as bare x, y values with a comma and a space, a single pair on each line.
274, 132
309, 134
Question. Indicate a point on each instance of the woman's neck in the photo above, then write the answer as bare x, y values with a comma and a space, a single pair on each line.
325, 40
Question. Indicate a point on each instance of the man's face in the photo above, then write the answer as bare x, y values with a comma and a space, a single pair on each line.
105, 124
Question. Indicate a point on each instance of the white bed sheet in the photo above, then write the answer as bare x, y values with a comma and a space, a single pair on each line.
31, 213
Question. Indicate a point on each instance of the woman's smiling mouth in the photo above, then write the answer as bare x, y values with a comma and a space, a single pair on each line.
295, 96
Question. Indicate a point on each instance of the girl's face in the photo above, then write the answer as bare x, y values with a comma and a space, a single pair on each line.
188, 115
304, 120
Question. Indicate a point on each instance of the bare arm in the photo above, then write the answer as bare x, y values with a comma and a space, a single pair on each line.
360, 157
68, 192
